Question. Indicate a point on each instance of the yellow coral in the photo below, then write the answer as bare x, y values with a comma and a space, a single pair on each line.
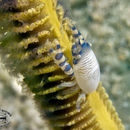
43, 21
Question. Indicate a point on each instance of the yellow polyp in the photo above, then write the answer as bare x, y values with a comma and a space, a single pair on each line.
29, 13
65, 96
57, 77
54, 2
47, 69
85, 124
28, 41
43, 34
79, 117
74, 112
42, 50
22, 3
56, 108
32, 26
60, 12
51, 90
83, 107
66, 25
44, 59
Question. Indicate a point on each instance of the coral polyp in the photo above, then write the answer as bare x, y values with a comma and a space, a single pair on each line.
31, 23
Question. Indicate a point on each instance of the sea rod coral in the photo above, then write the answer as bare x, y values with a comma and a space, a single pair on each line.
29, 25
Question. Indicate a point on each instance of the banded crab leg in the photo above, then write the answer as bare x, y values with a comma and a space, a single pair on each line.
80, 100
78, 46
60, 60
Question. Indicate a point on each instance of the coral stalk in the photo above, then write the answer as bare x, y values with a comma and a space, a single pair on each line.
35, 22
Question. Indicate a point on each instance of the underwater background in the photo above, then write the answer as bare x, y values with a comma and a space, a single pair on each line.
106, 25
